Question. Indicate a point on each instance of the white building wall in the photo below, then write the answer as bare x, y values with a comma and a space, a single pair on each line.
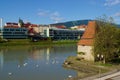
36, 29
48, 32
88, 52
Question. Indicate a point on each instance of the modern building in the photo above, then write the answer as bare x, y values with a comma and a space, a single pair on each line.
32, 28
15, 33
41, 29
85, 45
0, 34
13, 30
63, 34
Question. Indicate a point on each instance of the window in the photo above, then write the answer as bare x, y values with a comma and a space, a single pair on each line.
11, 29
17, 29
6, 30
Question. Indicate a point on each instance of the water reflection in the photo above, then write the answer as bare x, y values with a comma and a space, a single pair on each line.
1, 59
39, 63
48, 54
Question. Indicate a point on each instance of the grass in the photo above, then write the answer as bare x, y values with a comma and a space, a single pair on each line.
89, 68
21, 42
102, 64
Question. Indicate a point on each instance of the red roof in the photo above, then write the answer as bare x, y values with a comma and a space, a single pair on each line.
88, 36
61, 27
34, 25
27, 25
11, 26
82, 26
10, 23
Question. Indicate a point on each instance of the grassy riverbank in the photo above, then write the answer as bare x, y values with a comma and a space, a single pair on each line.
88, 70
21, 42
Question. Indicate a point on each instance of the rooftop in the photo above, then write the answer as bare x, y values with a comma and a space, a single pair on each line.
88, 36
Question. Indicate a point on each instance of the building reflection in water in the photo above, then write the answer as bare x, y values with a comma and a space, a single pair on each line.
1, 59
20, 55
48, 55
41, 53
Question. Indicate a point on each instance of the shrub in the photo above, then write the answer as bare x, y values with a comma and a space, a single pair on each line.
81, 53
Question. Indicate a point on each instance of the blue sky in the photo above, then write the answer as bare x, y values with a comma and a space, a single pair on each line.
52, 11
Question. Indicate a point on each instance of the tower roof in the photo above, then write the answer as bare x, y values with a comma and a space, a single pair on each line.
88, 36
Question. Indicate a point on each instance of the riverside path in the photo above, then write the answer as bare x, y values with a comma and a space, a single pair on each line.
114, 76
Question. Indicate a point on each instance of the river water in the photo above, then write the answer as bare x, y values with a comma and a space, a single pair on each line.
35, 63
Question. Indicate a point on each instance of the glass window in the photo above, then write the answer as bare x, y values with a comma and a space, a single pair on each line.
11, 29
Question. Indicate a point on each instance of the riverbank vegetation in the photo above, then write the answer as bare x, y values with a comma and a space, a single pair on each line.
23, 42
107, 40
89, 70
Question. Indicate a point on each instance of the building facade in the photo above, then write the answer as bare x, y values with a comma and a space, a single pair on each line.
63, 34
15, 33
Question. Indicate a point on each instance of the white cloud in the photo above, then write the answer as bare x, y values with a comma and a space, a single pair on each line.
56, 19
117, 14
55, 16
43, 13
111, 2
116, 17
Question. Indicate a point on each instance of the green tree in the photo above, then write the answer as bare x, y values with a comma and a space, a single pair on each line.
105, 42
118, 40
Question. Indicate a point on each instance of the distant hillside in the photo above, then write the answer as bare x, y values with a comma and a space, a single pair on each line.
73, 23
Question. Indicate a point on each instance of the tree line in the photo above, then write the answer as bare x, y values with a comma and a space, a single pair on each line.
107, 40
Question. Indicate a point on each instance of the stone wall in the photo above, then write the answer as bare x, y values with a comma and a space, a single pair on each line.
87, 50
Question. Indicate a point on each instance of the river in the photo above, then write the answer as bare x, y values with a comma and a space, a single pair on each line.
35, 63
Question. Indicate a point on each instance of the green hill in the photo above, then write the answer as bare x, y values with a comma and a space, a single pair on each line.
73, 23
76, 23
